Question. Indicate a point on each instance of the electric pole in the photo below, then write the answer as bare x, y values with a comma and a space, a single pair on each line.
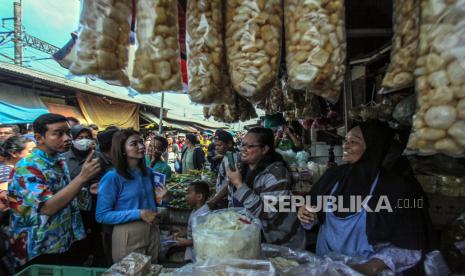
18, 33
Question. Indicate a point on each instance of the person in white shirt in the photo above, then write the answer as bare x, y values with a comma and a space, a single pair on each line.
197, 196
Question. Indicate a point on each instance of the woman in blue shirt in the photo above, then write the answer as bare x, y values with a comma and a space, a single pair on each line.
126, 199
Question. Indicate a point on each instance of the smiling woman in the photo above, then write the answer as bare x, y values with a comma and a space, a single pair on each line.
264, 173
126, 199
384, 240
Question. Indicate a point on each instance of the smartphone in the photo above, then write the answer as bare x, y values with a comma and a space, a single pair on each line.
231, 161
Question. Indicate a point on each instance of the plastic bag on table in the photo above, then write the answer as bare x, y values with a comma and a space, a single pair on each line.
228, 267
227, 233
271, 251
133, 264
157, 65
315, 46
302, 158
435, 265
288, 155
406, 25
103, 40
205, 51
439, 122
324, 268
253, 45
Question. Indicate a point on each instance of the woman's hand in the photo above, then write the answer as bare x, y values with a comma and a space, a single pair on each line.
149, 216
235, 177
183, 242
161, 191
306, 216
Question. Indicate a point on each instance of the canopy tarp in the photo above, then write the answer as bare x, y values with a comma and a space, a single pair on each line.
104, 112
155, 119
67, 111
19, 105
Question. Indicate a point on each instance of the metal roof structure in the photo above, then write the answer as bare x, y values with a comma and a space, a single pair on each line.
17, 75
55, 86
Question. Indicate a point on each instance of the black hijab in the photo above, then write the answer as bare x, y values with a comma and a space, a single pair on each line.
405, 228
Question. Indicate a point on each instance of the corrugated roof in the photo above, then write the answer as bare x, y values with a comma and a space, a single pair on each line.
38, 76
204, 123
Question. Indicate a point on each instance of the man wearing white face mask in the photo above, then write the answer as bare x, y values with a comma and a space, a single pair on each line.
82, 144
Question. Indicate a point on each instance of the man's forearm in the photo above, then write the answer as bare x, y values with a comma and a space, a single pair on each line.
61, 199
219, 196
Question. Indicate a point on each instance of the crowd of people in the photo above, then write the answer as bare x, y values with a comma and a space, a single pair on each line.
72, 194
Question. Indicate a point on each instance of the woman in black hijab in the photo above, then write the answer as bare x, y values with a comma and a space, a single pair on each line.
392, 237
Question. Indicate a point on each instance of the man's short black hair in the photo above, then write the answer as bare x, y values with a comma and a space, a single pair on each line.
15, 128
40, 125
201, 187
224, 136
162, 140
104, 138
93, 126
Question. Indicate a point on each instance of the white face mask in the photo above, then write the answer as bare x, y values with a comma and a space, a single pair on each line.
83, 144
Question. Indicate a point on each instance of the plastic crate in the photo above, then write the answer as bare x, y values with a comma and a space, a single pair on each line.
54, 270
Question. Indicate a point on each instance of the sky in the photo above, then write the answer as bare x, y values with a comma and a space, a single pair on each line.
53, 21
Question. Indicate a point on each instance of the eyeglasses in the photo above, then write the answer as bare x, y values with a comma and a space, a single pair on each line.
249, 147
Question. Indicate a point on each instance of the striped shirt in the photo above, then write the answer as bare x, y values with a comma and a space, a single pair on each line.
282, 228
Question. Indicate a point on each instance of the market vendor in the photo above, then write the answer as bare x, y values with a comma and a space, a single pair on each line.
384, 239
263, 172
126, 199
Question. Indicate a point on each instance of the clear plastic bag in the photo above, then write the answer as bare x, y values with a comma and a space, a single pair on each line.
228, 267
315, 46
239, 110
103, 40
133, 264
439, 122
435, 265
205, 51
323, 268
226, 233
157, 64
406, 25
310, 109
253, 45
300, 256
274, 102
403, 112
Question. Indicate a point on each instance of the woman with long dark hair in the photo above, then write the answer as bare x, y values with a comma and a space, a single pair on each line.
263, 173
126, 199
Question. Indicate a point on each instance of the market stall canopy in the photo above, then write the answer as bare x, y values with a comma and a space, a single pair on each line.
19, 105
105, 112
203, 124
26, 77
155, 119
67, 111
